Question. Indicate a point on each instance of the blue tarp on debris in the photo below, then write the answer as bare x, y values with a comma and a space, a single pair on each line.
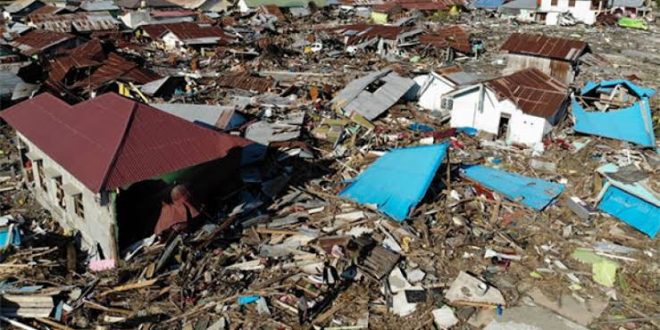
532, 192
634, 203
9, 235
641, 214
398, 180
488, 4
633, 124
637, 90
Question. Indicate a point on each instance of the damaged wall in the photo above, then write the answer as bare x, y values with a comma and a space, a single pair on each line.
561, 70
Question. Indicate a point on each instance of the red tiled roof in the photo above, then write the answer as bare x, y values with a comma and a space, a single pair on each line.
37, 41
451, 36
540, 45
534, 92
110, 141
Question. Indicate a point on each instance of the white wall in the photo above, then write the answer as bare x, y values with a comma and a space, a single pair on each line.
581, 11
526, 129
98, 225
523, 128
432, 95
171, 41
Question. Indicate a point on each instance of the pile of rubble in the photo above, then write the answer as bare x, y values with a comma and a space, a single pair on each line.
398, 165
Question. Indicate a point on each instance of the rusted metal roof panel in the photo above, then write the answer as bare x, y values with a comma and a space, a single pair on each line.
534, 92
247, 82
543, 46
37, 41
110, 141
451, 36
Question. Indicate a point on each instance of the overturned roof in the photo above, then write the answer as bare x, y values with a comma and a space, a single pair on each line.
534, 92
542, 46
110, 141
37, 41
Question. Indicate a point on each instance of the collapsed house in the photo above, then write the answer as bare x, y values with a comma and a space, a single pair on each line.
371, 95
556, 57
619, 109
386, 39
43, 43
92, 69
114, 169
521, 108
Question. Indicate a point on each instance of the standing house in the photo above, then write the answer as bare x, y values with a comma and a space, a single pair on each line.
436, 84
556, 57
520, 108
585, 11
109, 167
186, 34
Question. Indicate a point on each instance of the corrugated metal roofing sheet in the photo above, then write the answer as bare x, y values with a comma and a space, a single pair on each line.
543, 46
81, 22
36, 41
534, 92
245, 81
356, 98
450, 36
110, 141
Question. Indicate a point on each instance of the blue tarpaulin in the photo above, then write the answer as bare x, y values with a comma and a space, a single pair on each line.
631, 209
488, 4
398, 180
633, 124
532, 192
9, 235
632, 202
637, 90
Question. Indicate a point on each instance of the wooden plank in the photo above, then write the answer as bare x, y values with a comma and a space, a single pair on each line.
128, 287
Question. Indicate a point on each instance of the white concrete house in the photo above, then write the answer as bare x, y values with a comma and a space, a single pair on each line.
433, 86
584, 11
520, 108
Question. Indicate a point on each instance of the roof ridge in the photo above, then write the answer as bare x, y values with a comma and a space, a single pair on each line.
120, 145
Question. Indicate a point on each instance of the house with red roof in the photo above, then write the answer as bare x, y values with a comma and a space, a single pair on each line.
116, 170
520, 108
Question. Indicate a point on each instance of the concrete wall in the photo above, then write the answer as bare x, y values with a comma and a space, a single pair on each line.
431, 97
560, 70
581, 11
98, 225
523, 128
